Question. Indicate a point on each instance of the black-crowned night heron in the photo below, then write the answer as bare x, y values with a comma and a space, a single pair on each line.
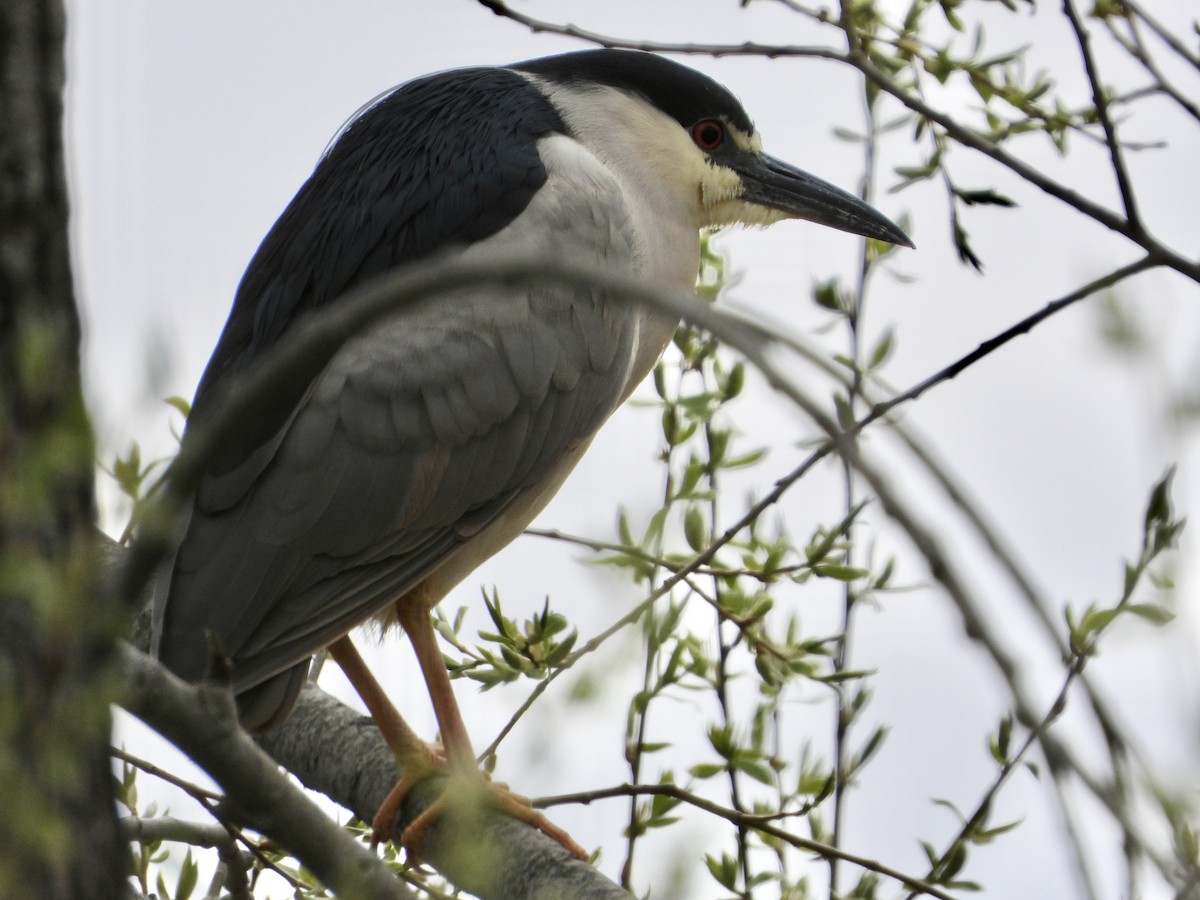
430, 441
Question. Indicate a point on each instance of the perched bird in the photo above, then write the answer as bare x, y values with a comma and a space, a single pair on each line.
430, 440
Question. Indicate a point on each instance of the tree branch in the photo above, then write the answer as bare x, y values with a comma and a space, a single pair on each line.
201, 721
1163, 33
749, 48
1100, 99
340, 753
762, 824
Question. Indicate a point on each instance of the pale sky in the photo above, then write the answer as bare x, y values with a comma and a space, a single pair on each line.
192, 124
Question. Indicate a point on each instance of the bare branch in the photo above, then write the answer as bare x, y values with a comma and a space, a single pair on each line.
192, 790
1136, 48
1100, 98
762, 824
234, 868
1022, 327
1163, 33
749, 48
180, 831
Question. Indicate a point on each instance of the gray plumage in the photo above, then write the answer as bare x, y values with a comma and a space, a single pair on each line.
428, 442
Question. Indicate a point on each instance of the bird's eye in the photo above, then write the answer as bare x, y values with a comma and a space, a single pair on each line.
708, 134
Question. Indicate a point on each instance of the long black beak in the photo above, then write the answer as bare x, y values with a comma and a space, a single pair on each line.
775, 184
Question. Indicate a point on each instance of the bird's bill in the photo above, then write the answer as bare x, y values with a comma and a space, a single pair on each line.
777, 185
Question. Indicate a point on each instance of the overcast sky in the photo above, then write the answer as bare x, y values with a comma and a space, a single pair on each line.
191, 125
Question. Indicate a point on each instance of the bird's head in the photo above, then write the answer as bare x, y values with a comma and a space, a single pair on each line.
686, 141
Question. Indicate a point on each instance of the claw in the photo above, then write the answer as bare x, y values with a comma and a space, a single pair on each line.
419, 760
494, 795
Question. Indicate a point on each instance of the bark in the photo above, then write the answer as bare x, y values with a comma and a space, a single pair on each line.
201, 721
57, 629
335, 750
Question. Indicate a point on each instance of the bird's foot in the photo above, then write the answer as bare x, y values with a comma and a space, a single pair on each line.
464, 789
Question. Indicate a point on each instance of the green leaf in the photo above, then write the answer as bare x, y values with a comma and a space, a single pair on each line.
695, 529
756, 770
1131, 579
999, 743
1096, 620
827, 295
654, 748
180, 405
736, 381
986, 197
883, 349
624, 533
725, 870
655, 529
188, 875
874, 742
1151, 612
840, 572
962, 244
955, 860
747, 459
1158, 510
660, 381
988, 835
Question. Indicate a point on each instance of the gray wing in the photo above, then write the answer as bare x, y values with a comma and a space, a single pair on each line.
417, 436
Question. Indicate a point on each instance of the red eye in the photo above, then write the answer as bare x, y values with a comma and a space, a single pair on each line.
708, 134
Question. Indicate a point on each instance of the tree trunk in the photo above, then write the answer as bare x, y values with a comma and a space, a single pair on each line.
57, 631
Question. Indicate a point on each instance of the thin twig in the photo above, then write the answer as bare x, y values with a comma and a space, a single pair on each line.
1163, 33
191, 789
749, 48
1100, 98
761, 824
212, 803
855, 321
1136, 48
995, 343
1075, 840
721, 676
813, 13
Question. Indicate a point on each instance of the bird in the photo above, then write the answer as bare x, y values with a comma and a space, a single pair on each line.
430, 440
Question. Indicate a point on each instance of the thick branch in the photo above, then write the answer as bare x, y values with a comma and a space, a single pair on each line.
201, 721
335, 750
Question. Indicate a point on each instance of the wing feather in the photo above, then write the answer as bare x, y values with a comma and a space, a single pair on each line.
436, 425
